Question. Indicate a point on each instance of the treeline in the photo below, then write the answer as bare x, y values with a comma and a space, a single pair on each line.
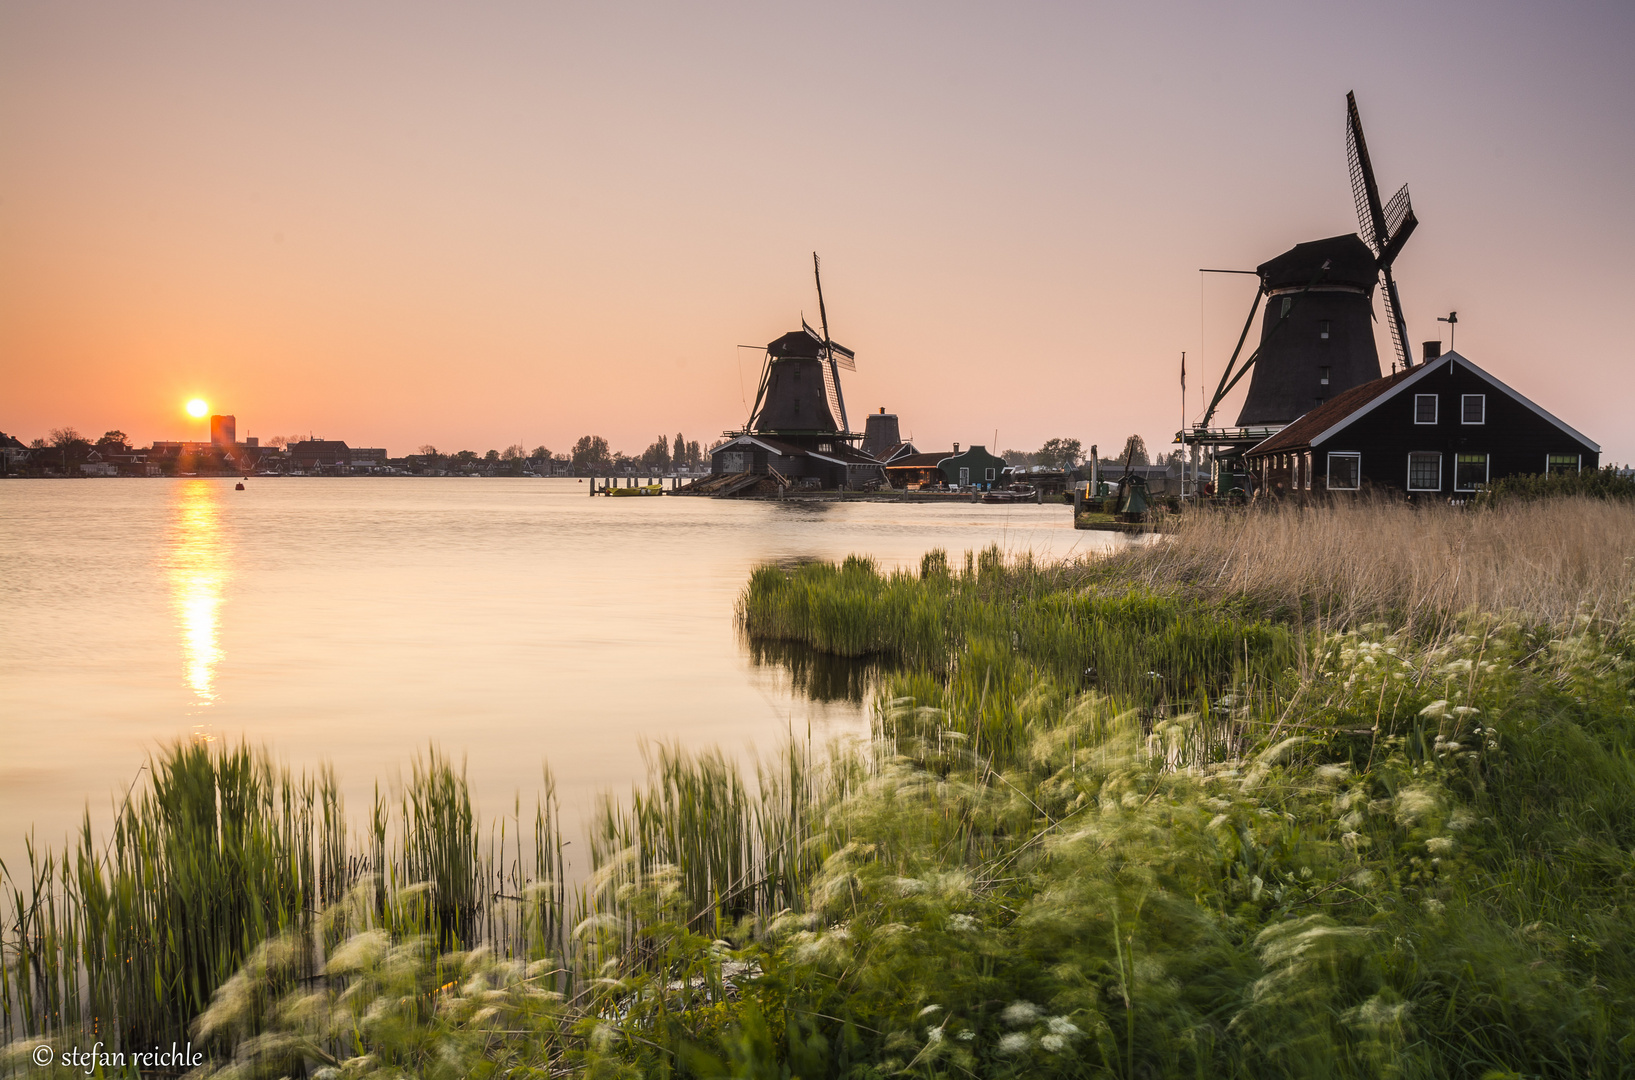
590, 455
1069, 453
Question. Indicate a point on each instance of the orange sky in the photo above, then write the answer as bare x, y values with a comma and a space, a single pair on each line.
471, 226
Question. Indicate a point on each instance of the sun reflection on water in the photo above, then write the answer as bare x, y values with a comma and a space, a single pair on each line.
198, 573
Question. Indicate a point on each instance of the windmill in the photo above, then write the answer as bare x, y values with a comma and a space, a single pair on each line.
1317, 335
799, 400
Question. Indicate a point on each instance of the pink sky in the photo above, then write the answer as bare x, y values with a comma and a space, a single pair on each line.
477, 225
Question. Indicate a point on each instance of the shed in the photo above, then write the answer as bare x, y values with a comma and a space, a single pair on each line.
973, 467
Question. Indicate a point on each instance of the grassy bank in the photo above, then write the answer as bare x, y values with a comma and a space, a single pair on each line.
1242, 803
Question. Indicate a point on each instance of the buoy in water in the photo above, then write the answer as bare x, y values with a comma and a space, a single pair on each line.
239, 486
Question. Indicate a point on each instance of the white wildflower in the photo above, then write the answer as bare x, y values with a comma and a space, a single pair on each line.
1439, 845
929, 1009
1020, 1012
1015, 1043
1061, 1025
1054, 1043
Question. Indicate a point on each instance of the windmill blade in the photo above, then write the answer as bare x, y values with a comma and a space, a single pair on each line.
843, 356
1400, 223
823, 314
1393, 315
1370, 214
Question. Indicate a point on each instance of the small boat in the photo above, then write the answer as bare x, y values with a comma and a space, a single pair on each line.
1014, 494
645, 489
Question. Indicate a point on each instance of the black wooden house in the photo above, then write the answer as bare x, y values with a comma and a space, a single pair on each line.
1441, 429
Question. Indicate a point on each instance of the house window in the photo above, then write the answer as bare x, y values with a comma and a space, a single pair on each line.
1555, 464
1306, 467
1344, 472
1322, 373
1322, 332
1288, 302
964, 476
1469, 471
1473, 409
1424, 408
1424, 472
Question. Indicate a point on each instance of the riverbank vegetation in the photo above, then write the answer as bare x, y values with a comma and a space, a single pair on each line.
1295, 794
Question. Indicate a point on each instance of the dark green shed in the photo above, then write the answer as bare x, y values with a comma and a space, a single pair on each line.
973, 467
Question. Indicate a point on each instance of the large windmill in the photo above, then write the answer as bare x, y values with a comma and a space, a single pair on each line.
1317, 336
799, 400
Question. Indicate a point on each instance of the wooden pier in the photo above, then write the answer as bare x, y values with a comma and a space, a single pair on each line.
635, 485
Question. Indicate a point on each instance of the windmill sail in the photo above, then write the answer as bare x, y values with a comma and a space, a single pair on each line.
1384, 228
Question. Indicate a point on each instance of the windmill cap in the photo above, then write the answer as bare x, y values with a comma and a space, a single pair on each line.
1350, 263
797, 343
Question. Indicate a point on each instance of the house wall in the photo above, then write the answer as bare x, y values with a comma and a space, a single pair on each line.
1516, 439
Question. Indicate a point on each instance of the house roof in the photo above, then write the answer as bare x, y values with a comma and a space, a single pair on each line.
1331, 416
776, 446
1305, 429
918, 461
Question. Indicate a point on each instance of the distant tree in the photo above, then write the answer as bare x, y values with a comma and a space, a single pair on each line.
694, 455
514, 452
657, 456
678, 451
465, 459
71, 447
492, 455
281, 441
115, 440
591, 453
39, 444
540, 454
1019, 459
1135, 450
426, 449
1059, 453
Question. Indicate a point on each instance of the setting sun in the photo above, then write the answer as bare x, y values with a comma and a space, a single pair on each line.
197, 407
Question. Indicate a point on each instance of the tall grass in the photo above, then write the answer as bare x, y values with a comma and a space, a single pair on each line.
1546, 562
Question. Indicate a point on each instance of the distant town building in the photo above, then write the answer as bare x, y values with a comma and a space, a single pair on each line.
224, 431
314, 455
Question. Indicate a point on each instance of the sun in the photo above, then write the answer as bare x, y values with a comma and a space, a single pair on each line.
198, 407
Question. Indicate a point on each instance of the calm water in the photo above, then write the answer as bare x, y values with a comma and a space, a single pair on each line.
357, 620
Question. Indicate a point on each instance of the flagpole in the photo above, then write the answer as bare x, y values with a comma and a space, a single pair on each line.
1183, 421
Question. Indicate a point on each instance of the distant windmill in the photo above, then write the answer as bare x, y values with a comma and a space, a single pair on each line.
1317, 336
799, 400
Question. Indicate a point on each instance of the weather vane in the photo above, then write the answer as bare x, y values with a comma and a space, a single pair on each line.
1452, 320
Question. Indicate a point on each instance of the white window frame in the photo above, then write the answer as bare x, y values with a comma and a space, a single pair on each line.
990, 474
1305, 467
1432, 453
1329, 465
1436, 408
1466, 397
1487, 472
1579, 457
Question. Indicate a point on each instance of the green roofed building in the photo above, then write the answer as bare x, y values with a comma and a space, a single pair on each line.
972, 468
